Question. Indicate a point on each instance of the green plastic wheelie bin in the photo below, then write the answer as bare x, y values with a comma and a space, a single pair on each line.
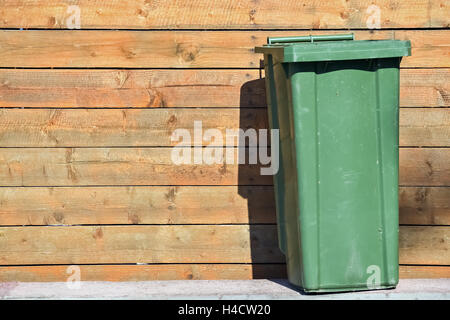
335, 103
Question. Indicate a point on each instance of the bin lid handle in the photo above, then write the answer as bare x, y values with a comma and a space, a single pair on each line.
311, 38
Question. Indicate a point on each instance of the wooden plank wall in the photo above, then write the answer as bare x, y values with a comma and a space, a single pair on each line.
86, 116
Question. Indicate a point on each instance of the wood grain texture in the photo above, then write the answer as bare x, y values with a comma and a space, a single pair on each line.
154, 166
139, 244
124, 127
181, 49
181, 205
59, 273
424, 272
425, 127
137, 205
219, 14
198, 243
424, 167
154, 127
145, 272
131, 88
425, 87
196, 215
424, 245
120, 166
90, 88
423, 46
426, 206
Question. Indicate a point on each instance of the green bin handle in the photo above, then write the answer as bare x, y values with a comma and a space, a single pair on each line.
310, 38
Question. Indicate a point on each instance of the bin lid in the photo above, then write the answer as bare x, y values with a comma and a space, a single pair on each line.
332, 47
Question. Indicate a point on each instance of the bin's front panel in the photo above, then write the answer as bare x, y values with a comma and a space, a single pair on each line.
345, 118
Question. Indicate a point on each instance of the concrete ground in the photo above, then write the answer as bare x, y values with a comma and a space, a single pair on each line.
213, 289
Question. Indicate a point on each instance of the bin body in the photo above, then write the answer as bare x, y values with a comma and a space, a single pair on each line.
336, 191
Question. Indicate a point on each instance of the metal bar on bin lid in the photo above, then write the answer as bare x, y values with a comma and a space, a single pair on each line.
311, 38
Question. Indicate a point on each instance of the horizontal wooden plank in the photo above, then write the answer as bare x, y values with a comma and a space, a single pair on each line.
424, 167
425, 127
219, 14
120, 166
181, 205
154, 166
424, 272
424, 245
425, 87
144, 272
59, 273
425, 44
98, 88
137, 205
62, 88
181, 49
426, 206
154, 127
125, 127
198, 243
139, 244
